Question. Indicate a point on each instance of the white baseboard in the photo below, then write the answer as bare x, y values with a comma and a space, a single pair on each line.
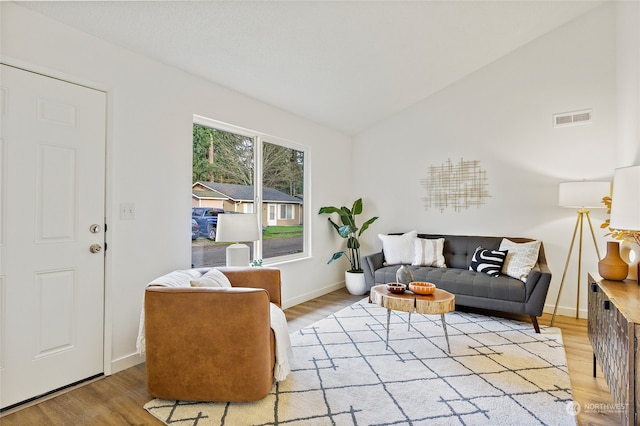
566, 311
312, 295
126, 362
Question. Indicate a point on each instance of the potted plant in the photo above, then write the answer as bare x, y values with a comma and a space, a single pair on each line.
349, 230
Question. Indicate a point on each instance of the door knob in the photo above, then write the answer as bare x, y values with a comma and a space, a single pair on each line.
95, 248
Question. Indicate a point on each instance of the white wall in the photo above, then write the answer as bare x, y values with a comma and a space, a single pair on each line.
628, 78
149, 162
501, 115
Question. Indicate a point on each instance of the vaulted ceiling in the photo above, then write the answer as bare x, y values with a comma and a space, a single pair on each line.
343, 64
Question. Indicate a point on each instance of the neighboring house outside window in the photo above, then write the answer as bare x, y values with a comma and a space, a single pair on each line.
237, 198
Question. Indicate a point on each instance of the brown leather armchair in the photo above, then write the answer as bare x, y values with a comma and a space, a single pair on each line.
211, 343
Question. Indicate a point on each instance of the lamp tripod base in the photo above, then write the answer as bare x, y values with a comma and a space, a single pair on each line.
579, 224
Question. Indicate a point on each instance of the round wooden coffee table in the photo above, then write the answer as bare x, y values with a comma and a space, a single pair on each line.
440, 302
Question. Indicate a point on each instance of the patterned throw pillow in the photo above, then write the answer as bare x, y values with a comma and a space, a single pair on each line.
488, 261
521, 259
398, 249
428, 252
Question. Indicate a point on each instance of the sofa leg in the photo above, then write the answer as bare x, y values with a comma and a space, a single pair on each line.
534, 321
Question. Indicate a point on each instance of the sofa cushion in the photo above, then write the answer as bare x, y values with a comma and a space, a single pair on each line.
428, 252
398, 249
212, 278
488, 261
462, 282
459, 249
521, 259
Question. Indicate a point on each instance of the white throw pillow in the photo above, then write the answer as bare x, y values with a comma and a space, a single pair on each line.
521, 259
428, 252
213, 278
398, 249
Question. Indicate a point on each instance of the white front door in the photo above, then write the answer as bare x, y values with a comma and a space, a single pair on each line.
52, 189
272, 218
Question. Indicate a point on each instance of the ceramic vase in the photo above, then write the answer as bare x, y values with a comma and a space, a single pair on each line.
355, 283
612, 266
404, 275
630, 253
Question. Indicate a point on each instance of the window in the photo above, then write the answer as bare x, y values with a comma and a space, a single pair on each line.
286, 212
238, 171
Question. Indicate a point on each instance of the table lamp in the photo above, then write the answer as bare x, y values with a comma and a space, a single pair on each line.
237, 228
625, 204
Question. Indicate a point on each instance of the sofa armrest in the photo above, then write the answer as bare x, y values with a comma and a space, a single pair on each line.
265, 278
537, 285
211, 343
369, 264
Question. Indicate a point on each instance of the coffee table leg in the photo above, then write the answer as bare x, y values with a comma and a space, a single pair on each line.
388, 319
444, 326
409, 324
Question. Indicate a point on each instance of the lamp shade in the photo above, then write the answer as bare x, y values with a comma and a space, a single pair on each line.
235, 228
583, 194
625, 200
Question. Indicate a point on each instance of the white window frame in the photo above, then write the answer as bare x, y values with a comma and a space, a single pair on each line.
259, 138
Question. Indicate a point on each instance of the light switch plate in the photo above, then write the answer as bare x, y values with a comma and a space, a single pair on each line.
127, 211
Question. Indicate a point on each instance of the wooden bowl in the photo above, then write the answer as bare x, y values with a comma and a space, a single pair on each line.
420, 287
396, 288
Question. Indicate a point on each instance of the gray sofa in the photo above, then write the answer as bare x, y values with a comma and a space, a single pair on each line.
473, 289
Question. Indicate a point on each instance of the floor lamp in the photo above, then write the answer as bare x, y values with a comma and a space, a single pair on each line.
582, 195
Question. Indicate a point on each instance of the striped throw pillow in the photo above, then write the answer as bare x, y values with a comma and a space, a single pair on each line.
428, 252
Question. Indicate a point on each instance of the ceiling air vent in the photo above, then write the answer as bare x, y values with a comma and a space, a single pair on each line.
572, 118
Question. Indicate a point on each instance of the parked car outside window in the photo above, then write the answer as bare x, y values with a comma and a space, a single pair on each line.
195, 229
207, 219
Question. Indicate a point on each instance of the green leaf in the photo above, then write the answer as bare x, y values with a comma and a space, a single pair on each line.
366, 224
357, 207
335, 225
344, 231
329, 210
347, 218
353, 243
335, 256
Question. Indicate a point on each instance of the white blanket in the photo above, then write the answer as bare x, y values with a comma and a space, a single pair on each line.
278, 323
283, 343
173, 279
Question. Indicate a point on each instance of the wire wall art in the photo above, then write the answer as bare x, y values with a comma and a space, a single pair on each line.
457, 186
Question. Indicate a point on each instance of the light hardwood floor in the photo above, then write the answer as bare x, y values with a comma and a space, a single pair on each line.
118, 399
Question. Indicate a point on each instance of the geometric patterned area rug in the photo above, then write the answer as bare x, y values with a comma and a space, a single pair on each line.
499, 372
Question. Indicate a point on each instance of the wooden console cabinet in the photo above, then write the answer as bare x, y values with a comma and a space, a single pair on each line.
614, 330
